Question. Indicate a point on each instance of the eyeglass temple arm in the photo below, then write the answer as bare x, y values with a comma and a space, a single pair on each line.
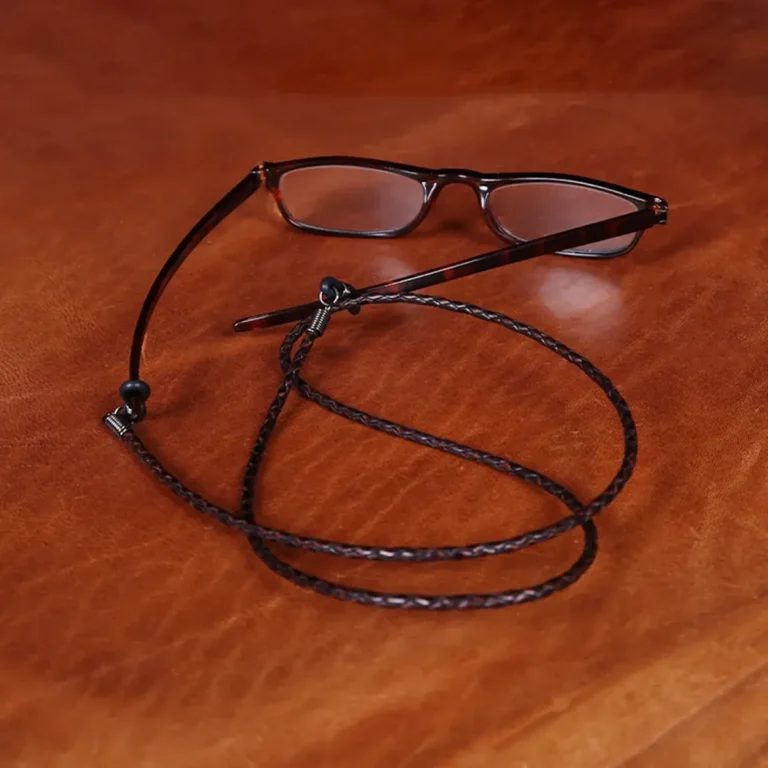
562, 241
234, 198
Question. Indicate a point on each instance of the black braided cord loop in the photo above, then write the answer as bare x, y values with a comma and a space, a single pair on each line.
260, 536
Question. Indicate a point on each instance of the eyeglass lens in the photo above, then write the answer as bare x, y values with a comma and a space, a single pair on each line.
536, 209
351, 199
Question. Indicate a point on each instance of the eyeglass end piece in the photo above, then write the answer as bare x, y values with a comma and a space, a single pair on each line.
661, 209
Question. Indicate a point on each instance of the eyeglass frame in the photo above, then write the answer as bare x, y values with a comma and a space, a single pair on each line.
433, 181
651, 210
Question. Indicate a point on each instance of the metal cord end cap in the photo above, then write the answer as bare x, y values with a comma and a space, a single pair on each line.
118, 422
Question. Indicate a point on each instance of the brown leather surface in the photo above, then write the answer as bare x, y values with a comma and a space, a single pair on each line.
135, 633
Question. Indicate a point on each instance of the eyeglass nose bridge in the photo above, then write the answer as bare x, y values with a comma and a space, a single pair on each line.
447, 176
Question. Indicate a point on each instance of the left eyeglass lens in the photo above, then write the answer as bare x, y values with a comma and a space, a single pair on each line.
350, 198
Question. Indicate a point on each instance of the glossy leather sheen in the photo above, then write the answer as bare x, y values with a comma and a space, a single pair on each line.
136, 633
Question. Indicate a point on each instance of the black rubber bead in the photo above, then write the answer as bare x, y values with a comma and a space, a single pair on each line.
332, 289
134, 390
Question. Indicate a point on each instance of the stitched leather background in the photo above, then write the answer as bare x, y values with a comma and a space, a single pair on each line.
136, 633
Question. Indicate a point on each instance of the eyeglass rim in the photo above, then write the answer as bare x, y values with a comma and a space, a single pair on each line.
432, 181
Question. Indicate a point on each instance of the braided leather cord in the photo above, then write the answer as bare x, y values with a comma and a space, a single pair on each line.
537, 536
259, 536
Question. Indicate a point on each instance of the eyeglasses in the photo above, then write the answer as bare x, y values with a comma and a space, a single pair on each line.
537, 213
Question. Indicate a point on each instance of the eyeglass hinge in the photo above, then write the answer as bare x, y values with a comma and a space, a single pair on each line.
660, 208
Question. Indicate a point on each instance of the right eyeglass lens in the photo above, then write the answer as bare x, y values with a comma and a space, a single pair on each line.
349, 198
528, 210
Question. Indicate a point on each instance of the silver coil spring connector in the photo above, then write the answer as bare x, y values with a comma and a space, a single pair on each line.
332, 291
319, 322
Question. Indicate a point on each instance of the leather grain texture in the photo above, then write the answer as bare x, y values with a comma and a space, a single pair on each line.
136, 633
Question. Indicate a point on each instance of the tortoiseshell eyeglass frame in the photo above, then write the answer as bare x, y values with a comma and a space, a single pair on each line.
649, 211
